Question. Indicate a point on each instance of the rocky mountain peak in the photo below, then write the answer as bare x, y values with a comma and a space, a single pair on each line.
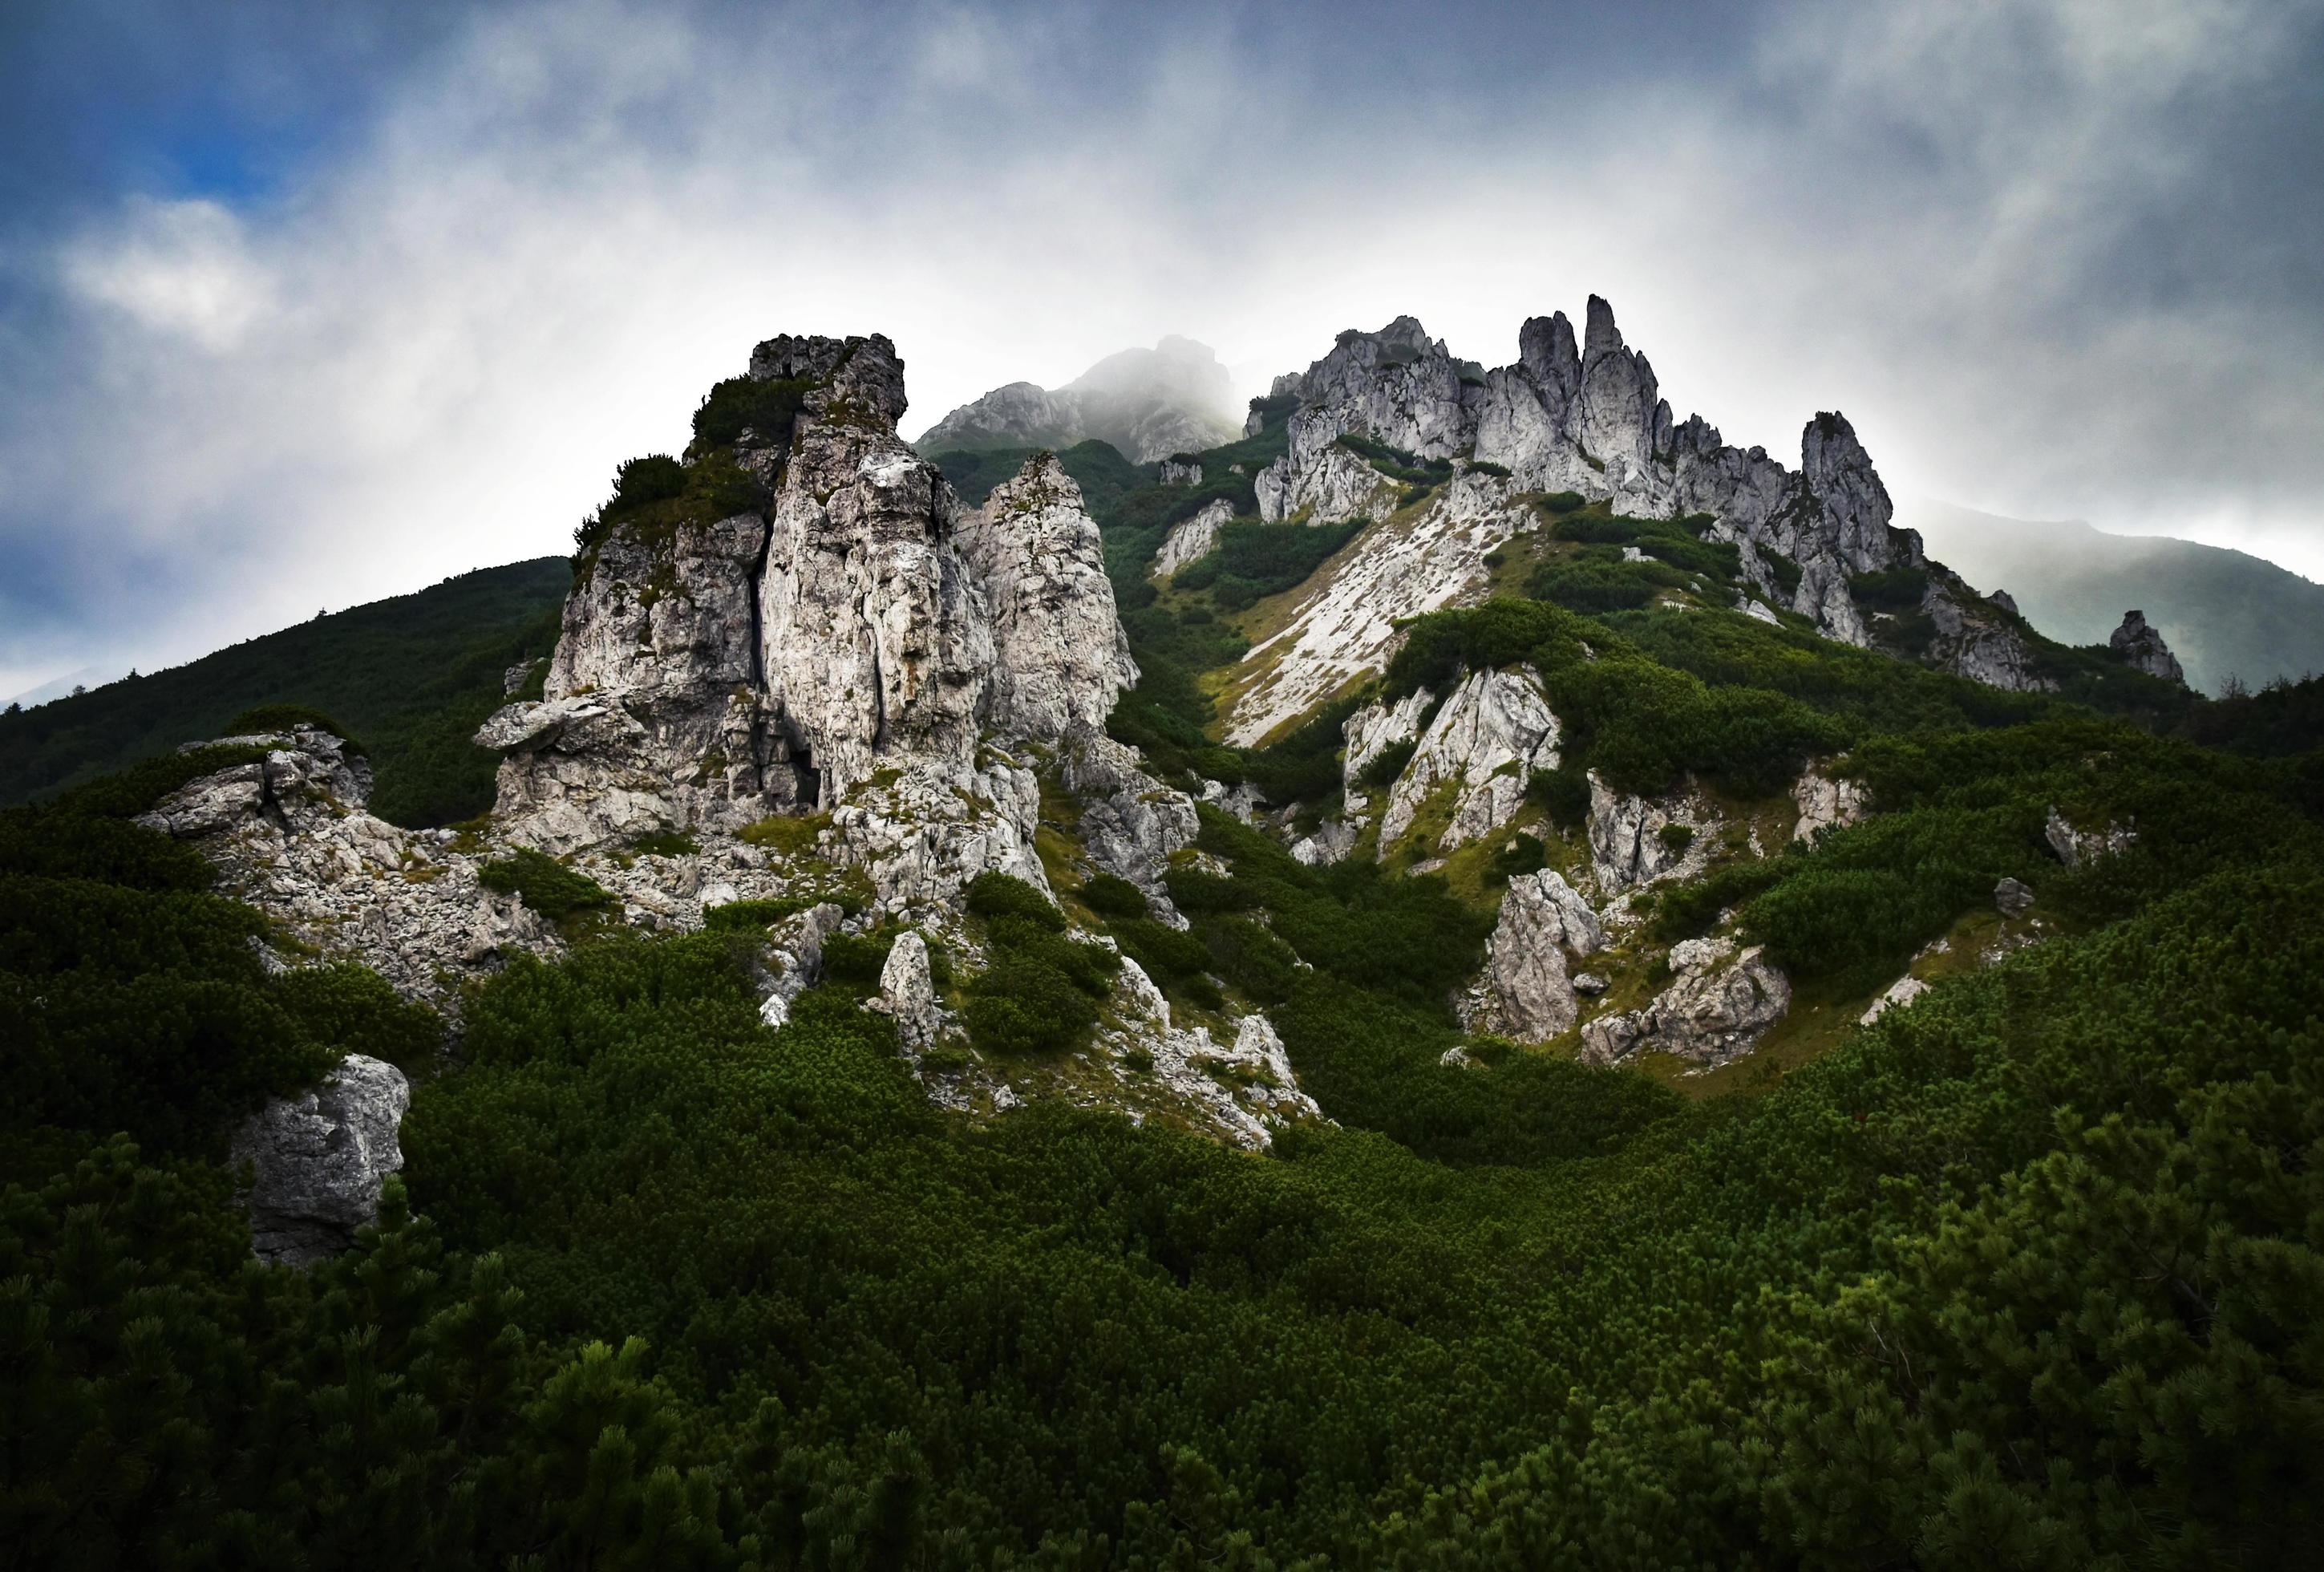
1148, 403
2139, 643
727, 656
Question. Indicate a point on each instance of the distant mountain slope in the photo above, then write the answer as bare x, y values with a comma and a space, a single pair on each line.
412, 677
1150, 403
2223, 613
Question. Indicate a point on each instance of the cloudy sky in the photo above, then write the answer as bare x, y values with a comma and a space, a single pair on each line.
303, 305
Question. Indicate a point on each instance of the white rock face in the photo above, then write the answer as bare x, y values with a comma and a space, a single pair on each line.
1491, 735
1903, 991
2140, 645
1334, 486
1175, 472
1524, 993
290, 835
1131, 822
1191, 540
1825, 802
1627, 847
1060, 658
1345, 627
908, 994
2075, 846
1259, 1091
1375, 728
1332, 842
1715, 1009
793, 960
844, 652
1977, 638
320, 1159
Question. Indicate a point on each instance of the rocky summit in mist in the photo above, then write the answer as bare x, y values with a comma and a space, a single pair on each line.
1147, 403
1121, 986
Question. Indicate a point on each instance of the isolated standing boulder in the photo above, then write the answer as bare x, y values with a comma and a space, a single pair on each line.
320, 1159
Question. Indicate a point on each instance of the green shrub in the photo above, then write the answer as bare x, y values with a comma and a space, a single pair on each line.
992, 895
740, 915
1564, 502
766, 408
1381, 770
1676, 836
1564, 793
855, 961
545, 884
1896, 589
667, 843
1520, 854
1108, 896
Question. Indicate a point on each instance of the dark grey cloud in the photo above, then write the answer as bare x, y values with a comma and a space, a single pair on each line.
335, 308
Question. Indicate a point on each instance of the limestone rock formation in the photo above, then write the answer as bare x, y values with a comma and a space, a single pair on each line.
1191, 540
1636, 840
908, 994
320, 1159
2074, 845
1903, 991
290, 834
1719, 1005
1825, 802
1244, 1090
1148, 403
1345, 626
1178, 472
1584, 417
2013, 898
1059, 656
1485, 743
2137, 643
1979, 638
1373, 730
1131, 822
793, 960
1524, 993
844, 648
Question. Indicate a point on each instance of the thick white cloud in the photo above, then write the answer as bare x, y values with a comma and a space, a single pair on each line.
429, 355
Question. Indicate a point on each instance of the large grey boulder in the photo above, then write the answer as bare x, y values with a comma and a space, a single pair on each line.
1825, 802
1719, 1005
1524, 993
1978, 637
320, 1159
1059, 655
1484, 744
1628, 846
908, 994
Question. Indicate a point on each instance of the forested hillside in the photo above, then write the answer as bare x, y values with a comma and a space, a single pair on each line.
412, 677
701, 1256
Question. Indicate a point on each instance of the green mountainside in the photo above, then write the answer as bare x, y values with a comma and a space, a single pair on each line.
412, 677
2225, 614
2024, 1275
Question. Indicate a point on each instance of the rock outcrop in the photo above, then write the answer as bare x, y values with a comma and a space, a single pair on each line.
320, 1159
846, 647
1244, 1090
1191, 540
1060, 658
2139, 644
1524, 993
1636, 840
1583, 416
1902, 992
907, 994
1482, 746
2075, 846
1719, 1005
1825, 802
289, 834
1148, 403
1978, 637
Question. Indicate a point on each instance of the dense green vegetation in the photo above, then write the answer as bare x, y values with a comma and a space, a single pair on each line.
2022, 1276
413, 677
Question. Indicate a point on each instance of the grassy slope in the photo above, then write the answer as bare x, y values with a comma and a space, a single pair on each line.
411, 676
